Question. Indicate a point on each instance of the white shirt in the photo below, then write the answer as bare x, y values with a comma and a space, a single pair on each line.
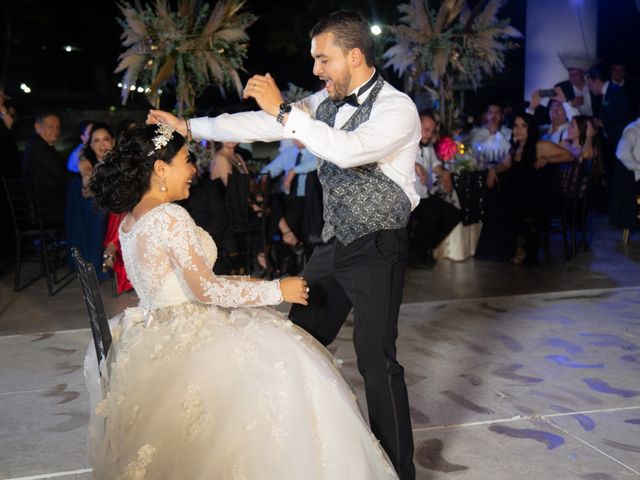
389, 138
585, 93
628, 150
493, 146
428, 160
555, 137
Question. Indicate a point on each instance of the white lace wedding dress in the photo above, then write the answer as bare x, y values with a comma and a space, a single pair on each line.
206, 382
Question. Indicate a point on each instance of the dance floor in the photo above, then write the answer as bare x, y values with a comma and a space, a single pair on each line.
513, 372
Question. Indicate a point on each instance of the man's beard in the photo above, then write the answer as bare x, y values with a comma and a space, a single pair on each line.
341, 86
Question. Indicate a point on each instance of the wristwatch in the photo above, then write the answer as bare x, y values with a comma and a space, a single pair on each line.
284, 109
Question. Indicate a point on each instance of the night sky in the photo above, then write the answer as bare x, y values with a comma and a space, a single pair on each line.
84, 78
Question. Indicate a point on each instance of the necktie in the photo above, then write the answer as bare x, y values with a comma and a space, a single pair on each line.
352, 99
293, 190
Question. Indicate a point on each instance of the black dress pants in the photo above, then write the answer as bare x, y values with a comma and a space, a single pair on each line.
434, 219
368, 275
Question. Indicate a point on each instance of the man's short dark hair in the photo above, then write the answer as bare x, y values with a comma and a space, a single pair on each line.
351, 31
42, 114
595, 73
429, 113
493, 103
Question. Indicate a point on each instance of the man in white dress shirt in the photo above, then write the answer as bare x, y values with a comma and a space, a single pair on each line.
434, 218
365, 134
492, 140
575, 89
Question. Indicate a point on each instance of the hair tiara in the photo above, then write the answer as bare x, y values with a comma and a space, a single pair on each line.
164, 133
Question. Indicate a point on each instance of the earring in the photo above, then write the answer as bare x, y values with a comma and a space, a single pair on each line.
163, 185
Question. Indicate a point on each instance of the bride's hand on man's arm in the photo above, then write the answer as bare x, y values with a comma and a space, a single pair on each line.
160, 116
294, 290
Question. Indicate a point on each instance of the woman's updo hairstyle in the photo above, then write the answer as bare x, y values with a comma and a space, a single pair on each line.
119, 182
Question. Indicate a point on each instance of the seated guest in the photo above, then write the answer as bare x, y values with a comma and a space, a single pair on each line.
556, 116
581, 139
225, 161
583, 143
74, 157
11, 164
518, 198
434, 218
287, 206
492, 139
112, 256
84, 223
45, 167
628, 152
206, 205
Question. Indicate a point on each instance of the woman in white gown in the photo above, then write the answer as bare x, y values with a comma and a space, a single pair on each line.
204, 379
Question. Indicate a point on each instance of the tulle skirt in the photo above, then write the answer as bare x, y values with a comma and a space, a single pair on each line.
211, 393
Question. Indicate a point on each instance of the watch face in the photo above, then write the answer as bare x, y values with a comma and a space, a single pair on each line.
285, 108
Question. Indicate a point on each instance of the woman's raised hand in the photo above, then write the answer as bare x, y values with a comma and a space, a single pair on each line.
295, 290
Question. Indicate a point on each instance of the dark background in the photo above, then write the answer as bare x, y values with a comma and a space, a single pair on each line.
33, 50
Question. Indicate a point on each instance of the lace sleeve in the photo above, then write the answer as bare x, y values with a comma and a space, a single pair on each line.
187, 256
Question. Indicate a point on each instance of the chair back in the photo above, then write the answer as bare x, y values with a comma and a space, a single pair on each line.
23, 204
237, 197
97, 316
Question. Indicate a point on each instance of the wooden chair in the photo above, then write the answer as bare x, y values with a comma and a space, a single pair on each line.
95, 308
32, 233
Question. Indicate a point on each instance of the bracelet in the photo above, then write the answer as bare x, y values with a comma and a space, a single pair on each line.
284, 233
189, 135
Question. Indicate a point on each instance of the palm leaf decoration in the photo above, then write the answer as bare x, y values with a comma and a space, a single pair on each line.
190, 48
454, 45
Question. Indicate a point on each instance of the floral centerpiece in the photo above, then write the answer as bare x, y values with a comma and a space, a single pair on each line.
455, 156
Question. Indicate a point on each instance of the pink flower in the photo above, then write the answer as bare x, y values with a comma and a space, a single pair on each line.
446, 149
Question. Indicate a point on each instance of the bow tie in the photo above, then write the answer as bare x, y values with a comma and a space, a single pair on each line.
349, 100
353, 98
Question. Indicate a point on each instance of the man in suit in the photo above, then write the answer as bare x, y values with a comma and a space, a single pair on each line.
45, 167
611, 118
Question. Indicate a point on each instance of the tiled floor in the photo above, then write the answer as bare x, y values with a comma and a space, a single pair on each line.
513, 372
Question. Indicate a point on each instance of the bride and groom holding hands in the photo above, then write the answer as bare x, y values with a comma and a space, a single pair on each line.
206, 380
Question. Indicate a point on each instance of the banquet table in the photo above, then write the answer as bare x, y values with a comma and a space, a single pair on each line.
470, 188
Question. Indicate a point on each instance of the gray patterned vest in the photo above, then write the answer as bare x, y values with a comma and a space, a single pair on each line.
360, 200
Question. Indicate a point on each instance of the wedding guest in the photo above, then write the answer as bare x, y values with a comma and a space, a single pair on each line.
491, 140
611, 118
434, 218
9, 153
575, 89
84, 222
628, 153
74, 157
225, 161
10, 164
287, 205
519, 194
556, 116
45, 167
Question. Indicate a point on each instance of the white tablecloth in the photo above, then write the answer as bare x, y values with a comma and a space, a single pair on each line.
461, 242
